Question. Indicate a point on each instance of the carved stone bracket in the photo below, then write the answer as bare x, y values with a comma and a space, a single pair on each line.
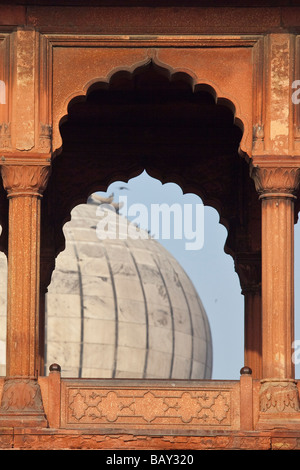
248, 268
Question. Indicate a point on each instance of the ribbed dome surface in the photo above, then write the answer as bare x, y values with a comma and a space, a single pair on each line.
121, 308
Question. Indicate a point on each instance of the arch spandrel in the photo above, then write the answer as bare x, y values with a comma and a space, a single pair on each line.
229, 78
92, 65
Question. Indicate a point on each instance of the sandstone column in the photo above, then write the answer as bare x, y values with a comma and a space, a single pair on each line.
47, 265
277, 181
248, 267
24, 181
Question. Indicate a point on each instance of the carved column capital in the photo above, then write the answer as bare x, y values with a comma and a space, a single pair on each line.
25, 177
276, 177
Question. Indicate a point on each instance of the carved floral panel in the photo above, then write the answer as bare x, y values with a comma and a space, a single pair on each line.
144, 407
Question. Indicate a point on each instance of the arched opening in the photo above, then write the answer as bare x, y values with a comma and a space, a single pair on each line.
150, 121
120, 305
77, 339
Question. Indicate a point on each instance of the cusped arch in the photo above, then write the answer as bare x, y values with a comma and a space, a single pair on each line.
91, 181
173, 74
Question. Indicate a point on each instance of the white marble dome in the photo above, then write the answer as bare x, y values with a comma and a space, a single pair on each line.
123, 308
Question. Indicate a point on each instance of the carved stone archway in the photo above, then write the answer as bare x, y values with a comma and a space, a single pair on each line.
149, 118
250, 57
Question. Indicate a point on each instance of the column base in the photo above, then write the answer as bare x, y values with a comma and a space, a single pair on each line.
279, 404
21, 403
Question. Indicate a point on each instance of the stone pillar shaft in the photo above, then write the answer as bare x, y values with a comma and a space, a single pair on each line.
23, 281
253, 332
278, 286
24, 182
248, 267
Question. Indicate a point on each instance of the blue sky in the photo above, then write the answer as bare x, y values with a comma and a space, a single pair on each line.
210, 269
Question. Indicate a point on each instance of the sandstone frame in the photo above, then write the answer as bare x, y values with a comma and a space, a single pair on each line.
252, 72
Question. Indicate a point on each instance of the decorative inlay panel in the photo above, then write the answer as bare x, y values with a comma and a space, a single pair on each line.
155, 406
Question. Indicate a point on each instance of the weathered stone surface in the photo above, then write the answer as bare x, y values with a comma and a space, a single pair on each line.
59, 440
